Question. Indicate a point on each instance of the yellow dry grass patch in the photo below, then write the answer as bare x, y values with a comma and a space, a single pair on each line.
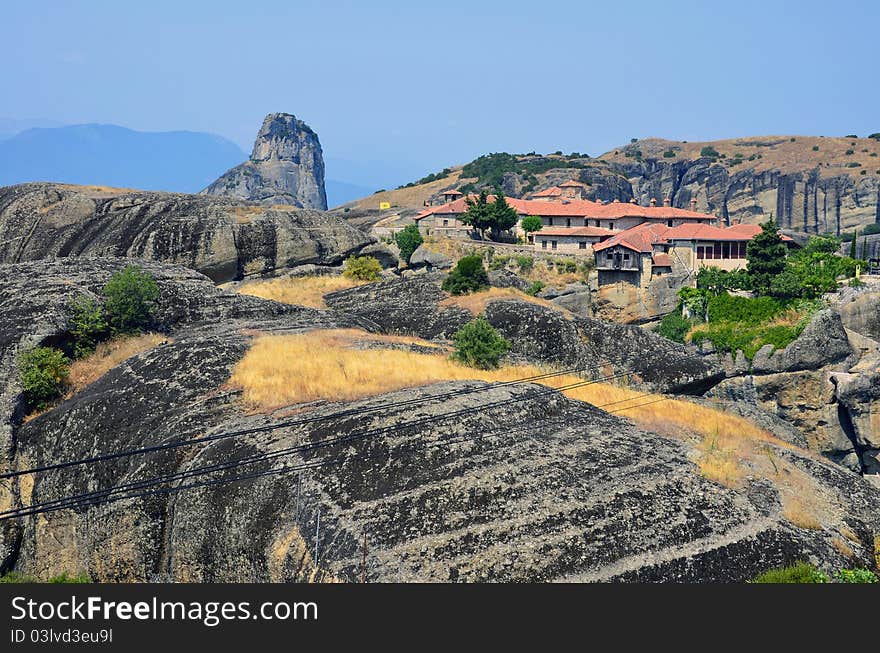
476, 302
108, 355
305, 291
282, 370
412, 197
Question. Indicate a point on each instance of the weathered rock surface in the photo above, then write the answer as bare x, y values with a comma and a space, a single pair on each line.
537, 334
524, 486
220, 237
424, 257
860, 310
286, 167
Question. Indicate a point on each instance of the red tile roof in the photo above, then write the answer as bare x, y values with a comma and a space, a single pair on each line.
574, 231
643, 237
640, 238
451, 191
571, 183
553, 191
662, 260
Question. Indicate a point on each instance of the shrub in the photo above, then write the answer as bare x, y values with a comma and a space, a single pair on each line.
130, 300
564, 265
674, 326
709, 151
499, 261
668, 154
856, 576
87, 325
849, 152
815, 148
408, 241
66, 578
362, 268
525, 262
468, 275
535, 288
800, 572
43, 372
531, 223
478, 344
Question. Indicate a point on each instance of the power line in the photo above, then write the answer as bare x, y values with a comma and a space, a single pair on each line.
279, 425
107, 494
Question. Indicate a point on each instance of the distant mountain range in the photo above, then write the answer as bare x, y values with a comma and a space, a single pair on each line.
110, 155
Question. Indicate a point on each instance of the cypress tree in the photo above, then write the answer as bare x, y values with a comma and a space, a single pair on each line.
766, 257
504, 216
479, 214
852, 245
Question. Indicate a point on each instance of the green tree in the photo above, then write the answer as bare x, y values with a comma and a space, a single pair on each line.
674, 326
766, 257
531, 223
467, 276
478, 344
479, 214
504, 216
362, 268
852, 245
43, 372
408, 241
130, 300
87, 325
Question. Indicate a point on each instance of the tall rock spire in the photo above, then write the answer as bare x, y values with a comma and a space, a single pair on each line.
286, 167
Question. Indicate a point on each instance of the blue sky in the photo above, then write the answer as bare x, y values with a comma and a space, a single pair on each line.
400, 89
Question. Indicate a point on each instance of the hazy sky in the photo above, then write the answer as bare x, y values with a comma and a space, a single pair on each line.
406, 88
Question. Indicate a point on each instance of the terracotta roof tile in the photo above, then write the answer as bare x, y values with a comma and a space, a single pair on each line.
574, 231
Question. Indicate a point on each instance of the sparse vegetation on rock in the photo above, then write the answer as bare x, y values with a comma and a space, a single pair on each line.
130, 300
799, 572
478, 344
43, 373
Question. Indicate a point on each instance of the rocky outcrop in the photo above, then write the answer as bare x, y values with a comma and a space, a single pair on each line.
537, 334
286, 167
427, 258
220, 237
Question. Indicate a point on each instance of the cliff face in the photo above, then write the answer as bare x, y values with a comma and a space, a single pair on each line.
286, 167
220, 237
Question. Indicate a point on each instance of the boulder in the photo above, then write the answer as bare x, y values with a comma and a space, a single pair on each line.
386, 256
504, 278
223, 238
823, 342
424, 257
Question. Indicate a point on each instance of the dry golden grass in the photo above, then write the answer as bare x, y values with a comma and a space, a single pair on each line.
412, 197
842, 547
108, 355
327, 365
305, 291
476, 302
800, 515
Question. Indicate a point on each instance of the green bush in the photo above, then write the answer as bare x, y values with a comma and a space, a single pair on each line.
525, 262
742, 310
535, 288
467, 276
674, 326
499, 261
856, 576
478, 344
362, 268
62, 578
564, 265
74, 579
668, 154
408, 240
709, 151
800, 572
130, 300
43, 373
87, 325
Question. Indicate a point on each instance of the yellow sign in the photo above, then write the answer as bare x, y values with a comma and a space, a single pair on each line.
384, 205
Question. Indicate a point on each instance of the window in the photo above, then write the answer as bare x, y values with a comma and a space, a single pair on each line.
568, 222
610, 257
709, 251
543, 244
725, 250
669, 223
597, 222
717, 248
611, 225
446, 223
549, 222
626, 257
582, 244
701, 252
553, 244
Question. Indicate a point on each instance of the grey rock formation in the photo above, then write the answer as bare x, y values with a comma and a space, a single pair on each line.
286, 167
220, 237
386, 256
424, 257
504, 278
823, 342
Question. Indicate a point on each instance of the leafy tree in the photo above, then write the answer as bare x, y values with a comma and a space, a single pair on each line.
531, 223
478, 344
716, 280
408, 241
130, 300
766, 257
852, 246
362, 268
709, 151
504, 216
43, 372
534, 288
479, 214
787, 285
88, 325
467, 276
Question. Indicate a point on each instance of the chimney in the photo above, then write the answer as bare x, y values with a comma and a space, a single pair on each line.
693, 204
653, 201
667, 201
